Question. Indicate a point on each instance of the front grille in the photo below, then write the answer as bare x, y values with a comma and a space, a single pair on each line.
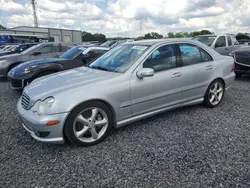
243, 57
25, 101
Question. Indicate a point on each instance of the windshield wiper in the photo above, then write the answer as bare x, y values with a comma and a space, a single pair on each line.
98, 67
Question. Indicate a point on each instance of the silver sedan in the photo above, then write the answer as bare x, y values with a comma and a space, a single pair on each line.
131, 82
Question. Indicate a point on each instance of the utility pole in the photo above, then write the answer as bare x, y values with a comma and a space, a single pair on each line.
33, 2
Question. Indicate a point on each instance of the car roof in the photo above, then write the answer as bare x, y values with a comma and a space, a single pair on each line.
28, 43
151, 42
91, 46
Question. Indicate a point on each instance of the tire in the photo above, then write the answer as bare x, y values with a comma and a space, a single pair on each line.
210, 99
238, 75
83, 120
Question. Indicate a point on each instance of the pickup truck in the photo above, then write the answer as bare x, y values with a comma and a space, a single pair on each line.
223, 44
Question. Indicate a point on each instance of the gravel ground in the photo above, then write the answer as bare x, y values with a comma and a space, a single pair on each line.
189, 147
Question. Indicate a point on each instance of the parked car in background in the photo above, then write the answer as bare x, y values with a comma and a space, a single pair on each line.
108, 43
242, 60
77, 56
6, 47
223, 44
92, 43
130, 82
120, 42
17, 48
39, 51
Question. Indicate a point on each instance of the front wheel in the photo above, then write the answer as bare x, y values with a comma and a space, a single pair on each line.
88, 124
214, 93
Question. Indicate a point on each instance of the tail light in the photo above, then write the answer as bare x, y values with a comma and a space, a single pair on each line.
233, 67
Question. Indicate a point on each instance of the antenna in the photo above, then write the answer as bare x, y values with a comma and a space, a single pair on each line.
33, 2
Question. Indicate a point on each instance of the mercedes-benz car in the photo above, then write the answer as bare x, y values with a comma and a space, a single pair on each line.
130, 82
77, 56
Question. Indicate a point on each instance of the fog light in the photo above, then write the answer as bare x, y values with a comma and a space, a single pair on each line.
51, 123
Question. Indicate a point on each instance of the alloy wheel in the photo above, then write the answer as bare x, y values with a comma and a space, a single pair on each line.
90, 125
216, 93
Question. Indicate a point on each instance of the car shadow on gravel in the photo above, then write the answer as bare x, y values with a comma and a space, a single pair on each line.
245, 78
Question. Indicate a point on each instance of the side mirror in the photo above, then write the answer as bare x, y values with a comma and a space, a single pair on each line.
36, 53
145, 72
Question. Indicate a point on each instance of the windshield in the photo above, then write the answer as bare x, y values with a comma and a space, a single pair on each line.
120, 58
31, 48
208, 40
73, 52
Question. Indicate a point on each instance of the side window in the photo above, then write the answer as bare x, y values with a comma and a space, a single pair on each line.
221, 42
96, 53
229, 41
55, 48
205, 56
190, 54
46, 49
162, 59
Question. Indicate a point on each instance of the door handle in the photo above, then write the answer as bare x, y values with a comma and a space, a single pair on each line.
209, 67
177, 74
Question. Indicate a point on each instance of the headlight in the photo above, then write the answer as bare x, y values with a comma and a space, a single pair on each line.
29, 69
3, 61
42, 107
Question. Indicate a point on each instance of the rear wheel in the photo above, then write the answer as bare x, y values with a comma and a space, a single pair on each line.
214, 93
88, 124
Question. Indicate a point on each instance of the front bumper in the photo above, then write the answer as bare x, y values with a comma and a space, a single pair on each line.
36, 125
242, 69
17, 84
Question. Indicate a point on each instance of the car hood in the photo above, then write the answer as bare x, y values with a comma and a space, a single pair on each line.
65, 81
27, 64
10, 56
243, 49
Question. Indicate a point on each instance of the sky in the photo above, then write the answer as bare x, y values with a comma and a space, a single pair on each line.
131, 18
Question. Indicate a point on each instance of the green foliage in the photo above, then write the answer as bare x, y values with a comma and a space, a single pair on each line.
152, 35
2, 27
93, 37
186, 34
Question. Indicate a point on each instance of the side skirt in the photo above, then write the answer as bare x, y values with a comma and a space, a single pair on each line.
148, 114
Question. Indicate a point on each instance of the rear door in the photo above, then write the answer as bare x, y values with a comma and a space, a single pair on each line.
197, 71
230, 46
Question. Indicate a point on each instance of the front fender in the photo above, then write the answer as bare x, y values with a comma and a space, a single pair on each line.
116, 94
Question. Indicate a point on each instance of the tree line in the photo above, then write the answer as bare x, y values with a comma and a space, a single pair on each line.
86, 36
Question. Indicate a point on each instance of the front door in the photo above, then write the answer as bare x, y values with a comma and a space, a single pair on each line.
47, 51
221, 46
163, 88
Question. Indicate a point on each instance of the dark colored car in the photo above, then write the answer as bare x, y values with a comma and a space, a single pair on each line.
77, 56
242, 61
17, 49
